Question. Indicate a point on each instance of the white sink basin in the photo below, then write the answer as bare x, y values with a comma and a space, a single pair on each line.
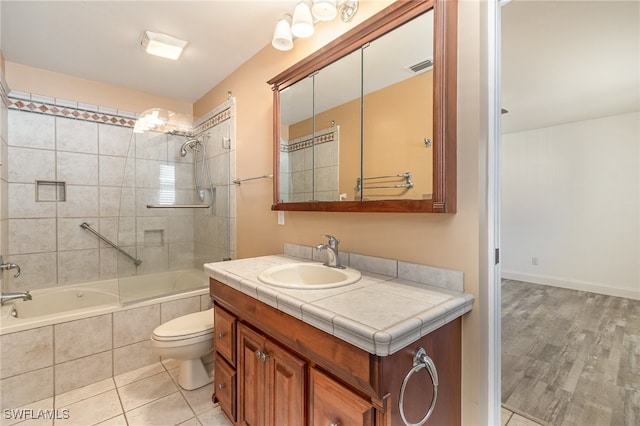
308, 276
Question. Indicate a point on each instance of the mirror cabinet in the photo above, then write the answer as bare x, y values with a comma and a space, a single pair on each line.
368, 122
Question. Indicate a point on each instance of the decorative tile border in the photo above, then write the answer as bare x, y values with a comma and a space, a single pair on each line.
212, 121
68, 109
68, 112
308, 141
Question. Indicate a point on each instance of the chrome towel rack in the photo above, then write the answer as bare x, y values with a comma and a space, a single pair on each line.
406, 176
85, 225
239, 181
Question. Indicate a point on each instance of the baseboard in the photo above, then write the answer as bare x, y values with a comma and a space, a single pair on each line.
572, 285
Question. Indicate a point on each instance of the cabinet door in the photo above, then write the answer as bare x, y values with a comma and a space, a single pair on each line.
251, 386
285, 380
334, 404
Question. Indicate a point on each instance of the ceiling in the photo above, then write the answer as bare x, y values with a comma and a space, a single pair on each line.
563, 61
100, 40
567, 61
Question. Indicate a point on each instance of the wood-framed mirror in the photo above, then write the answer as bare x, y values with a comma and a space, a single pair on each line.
329, 155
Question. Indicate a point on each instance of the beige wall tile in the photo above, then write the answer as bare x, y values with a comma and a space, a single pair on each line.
135, 325
83, 371
25, 351
77, 339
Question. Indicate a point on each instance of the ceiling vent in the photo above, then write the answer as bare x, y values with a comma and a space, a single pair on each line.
420, 66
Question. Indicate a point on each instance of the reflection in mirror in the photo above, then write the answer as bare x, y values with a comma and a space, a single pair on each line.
398, 113
337, 145
337, 124
296, 133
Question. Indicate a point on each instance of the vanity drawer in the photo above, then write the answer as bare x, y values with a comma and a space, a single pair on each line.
334, 404
225, 386
225, 334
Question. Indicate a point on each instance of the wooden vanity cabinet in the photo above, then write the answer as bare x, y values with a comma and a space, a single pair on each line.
271, 382
286, 372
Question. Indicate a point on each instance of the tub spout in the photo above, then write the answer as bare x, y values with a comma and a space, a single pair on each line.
6, 297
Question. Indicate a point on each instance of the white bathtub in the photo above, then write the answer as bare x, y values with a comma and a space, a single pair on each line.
67, 303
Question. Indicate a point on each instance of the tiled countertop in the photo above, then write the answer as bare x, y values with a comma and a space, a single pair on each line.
380, 314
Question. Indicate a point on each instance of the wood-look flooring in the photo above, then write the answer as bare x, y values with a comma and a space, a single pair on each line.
570, 357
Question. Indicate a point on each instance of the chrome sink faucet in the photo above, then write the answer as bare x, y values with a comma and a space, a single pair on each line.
6, 297
333, 258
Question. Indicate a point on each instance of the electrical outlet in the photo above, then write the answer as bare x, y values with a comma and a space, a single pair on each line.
534, 261
280, 217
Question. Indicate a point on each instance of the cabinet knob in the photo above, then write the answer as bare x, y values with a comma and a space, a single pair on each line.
261, 356
220, 335
220, 386
334, 424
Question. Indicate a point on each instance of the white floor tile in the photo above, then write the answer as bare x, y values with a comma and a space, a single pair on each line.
140, 373
114, 421
170, 410
65, 399
146, 390
19, 415
93, 410
505, 416
199, 399
215, 417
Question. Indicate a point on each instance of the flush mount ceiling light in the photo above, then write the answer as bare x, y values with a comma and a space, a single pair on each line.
302, 24
324, 10
282, 37
162, 45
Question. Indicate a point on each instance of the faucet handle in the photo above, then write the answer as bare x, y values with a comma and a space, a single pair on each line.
333, 241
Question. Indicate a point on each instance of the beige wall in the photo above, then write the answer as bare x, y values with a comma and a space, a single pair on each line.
41, 82
450, 240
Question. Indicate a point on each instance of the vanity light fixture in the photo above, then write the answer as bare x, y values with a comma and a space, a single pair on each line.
347, 9
305, 15
324, 10
302, 23
162, 45
282, 37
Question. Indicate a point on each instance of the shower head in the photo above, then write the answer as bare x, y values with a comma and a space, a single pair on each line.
190, 143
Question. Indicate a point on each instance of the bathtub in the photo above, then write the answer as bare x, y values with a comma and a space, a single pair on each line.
72, 302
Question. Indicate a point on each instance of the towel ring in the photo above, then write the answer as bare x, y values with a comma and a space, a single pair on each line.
420, 360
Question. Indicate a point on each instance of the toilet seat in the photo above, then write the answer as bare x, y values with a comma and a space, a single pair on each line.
185, 327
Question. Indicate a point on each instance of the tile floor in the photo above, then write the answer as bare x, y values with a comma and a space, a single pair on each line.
147, 396
509, 418
144, 397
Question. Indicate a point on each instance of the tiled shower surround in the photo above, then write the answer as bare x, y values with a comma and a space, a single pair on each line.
70, 163
41, 362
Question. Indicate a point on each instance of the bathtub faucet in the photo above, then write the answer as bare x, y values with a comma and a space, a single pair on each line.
7, 297
7, 266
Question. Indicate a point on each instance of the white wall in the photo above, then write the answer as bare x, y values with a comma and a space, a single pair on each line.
570, 198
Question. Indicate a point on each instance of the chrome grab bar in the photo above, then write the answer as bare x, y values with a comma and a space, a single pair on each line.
420, 360
85, 225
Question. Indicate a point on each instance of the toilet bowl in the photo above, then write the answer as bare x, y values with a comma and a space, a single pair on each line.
187, 339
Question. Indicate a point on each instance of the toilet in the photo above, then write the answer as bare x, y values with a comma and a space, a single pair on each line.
187, 339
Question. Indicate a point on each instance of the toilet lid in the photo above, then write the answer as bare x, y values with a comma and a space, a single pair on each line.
184, 326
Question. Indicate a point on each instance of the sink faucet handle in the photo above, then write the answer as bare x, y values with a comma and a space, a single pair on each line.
333, 241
